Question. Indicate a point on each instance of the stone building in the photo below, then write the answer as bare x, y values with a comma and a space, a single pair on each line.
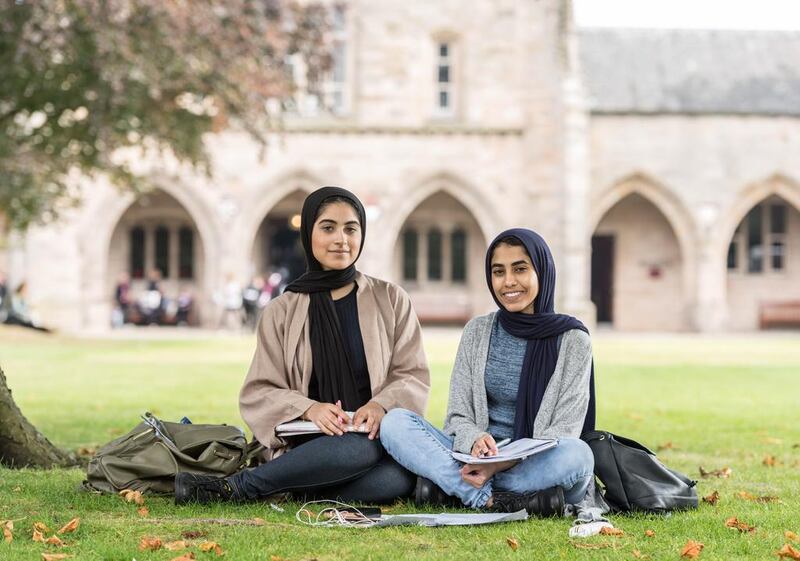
661, 166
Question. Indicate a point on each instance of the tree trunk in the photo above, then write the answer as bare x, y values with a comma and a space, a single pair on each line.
21, 445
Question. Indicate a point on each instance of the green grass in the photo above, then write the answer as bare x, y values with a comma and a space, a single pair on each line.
721, 401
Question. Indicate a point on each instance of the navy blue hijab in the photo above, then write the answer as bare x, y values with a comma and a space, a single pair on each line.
541, 329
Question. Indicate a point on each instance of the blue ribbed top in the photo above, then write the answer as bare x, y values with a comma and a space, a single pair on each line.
501, 377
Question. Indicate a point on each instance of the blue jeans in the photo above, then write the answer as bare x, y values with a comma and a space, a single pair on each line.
425, 450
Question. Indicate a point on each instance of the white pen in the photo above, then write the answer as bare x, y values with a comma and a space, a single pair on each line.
503, 442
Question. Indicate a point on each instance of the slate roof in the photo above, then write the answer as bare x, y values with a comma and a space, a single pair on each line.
691, 71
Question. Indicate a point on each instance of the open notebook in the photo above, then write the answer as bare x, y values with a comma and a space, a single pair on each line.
517, 450
296, 428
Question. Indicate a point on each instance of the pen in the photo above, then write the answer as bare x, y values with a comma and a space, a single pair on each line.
503, 442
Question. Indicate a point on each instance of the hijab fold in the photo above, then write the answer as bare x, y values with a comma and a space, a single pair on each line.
332, 373
541, 330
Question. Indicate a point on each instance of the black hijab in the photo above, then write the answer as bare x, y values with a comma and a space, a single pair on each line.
541, 329
332, 374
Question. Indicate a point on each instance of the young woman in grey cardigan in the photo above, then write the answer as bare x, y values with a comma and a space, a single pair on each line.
523, 371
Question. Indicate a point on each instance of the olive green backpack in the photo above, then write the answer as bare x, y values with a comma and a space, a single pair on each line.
148, 457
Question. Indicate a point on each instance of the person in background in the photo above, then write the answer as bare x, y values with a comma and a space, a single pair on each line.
122, 300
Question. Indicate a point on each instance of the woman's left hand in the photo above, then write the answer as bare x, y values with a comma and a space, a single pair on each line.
478, 474
370, 415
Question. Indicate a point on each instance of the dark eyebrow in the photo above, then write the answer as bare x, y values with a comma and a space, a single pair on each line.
334, 222
514, 264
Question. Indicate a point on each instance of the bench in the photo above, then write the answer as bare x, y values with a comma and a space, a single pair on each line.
779, 314
442, 308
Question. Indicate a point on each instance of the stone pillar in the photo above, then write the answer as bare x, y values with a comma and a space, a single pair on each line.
711, 305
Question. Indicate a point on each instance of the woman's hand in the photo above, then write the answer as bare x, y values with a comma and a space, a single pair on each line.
478, 475
484, 446
328, 417
370, 414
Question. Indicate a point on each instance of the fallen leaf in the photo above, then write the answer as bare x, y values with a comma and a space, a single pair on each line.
17, 489
668, 445
639, 555
650, 533
692, 549
54, 540
86, 451
56, 556
758, 499
788, 551
737, 524
259, 521
606, 531
188, 556
275, 558
193, 534
771, 440
41, 527
770, 461
796, 445
513, 543
210, 546
724, 473
712, 498
176, 545
791, 536
132, 496
150, 544
8, 528
143, 511
37, 536
70, 526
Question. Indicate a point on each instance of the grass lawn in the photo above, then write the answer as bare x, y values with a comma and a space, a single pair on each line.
711, 401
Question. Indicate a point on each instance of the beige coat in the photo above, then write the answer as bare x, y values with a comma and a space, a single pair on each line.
276, 387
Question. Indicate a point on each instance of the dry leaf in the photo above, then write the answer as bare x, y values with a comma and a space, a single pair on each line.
770, 461
143, 511
737, 524
772, 440
668, 445
275, 558
712, 498
188, 556
56, 556
176, 545
210, 546
54, 540
796, 445
70, 526
149, 544
762, 499
8, 528
791, 536
639, 555
724, 473
259, 521
37, 536
193, 534
41, 527
606, 531
650, 533
17, 489
132, 496
513, 543
788, 551
692, 549
87, 451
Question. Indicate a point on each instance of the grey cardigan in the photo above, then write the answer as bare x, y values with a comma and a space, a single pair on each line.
564, 403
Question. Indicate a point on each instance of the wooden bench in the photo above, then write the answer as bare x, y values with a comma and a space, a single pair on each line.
442, 308
779, 314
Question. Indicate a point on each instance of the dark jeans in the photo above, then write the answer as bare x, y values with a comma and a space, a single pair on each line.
350, 468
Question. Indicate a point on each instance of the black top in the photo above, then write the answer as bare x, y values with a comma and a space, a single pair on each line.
347, 311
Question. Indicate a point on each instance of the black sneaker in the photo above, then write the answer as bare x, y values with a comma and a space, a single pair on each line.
429, 493
547, 502
202, 489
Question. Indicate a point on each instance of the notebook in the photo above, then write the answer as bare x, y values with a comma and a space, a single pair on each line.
297, 428
516, 450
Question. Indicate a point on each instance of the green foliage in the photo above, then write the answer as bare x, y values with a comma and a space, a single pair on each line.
726, 401
92, 88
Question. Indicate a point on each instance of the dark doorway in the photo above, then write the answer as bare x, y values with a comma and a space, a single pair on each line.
284, 248
603, 277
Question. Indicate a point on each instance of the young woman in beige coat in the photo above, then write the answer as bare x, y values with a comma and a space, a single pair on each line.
336, 341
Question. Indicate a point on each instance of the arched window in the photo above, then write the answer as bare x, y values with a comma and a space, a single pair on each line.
185, 253
434, 255
162, 251
458, 255
761, 239
410, 254
137, 253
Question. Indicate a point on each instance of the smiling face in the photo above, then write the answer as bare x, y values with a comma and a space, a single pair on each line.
514, 280
336, 236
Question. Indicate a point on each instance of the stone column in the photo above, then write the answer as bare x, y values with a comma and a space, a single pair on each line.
711, 274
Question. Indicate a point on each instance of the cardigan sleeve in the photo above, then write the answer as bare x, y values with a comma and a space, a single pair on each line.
572, 402
461, 416
266, 398
408, 379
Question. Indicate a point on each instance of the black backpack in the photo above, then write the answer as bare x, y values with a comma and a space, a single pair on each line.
633, 479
